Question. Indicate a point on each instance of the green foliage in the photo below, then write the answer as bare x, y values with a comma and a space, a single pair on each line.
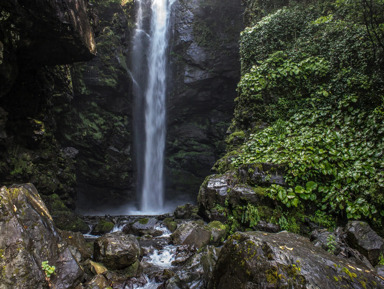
381, 260
48, 270
331, 243
341, 152
314, 74
289, 223
323, 219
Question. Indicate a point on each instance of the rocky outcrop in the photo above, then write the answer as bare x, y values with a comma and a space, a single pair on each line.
285, 260
42, 32
228, 190
205, 61
29, 237
49, 32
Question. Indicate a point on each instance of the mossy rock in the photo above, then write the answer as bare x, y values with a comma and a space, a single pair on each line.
63, 217
69, 221
170, 224
103, 227
143, 221
218, 232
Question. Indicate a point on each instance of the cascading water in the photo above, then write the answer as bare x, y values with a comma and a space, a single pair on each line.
149, 66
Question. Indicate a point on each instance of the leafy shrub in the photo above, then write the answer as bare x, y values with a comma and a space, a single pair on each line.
315, 76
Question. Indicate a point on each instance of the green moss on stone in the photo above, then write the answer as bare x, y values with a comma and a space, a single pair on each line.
103, 227
170, 224
143, 221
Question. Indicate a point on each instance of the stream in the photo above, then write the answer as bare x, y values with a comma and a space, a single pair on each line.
159, 254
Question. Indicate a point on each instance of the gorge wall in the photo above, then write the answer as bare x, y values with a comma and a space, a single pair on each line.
99, 122
38, 39
206, 69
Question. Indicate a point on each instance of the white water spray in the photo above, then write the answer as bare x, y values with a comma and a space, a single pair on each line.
152, 87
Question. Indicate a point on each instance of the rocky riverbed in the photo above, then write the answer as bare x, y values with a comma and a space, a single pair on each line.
177, 250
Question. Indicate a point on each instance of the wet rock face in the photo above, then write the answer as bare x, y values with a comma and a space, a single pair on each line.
285, 260
29, 237
99, 122
206, 69
116, 250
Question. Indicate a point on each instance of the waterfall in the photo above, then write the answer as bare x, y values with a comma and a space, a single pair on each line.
149, 67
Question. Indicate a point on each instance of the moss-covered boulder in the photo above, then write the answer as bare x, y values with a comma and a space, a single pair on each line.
187, 211
170, 223
29, 237
102, 227
218, 233
285, 260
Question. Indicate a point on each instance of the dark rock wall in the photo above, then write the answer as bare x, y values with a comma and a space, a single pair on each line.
206, 68
34, 93
99, 122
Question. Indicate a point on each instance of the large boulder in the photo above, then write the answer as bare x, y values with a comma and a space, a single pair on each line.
361, 237
285, 260
29, 237
117, 250
192, 234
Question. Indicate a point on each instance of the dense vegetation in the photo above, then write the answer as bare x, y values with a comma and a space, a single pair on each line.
311, 100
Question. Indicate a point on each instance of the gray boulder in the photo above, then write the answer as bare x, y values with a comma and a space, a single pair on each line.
192, 233
29, 237
117, 250
361, 237
143, 226
285, 260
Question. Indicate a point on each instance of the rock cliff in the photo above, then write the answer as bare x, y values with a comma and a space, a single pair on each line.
37, 41
205, 71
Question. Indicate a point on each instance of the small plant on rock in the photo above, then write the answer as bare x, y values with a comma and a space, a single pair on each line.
331, 244
48, 270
